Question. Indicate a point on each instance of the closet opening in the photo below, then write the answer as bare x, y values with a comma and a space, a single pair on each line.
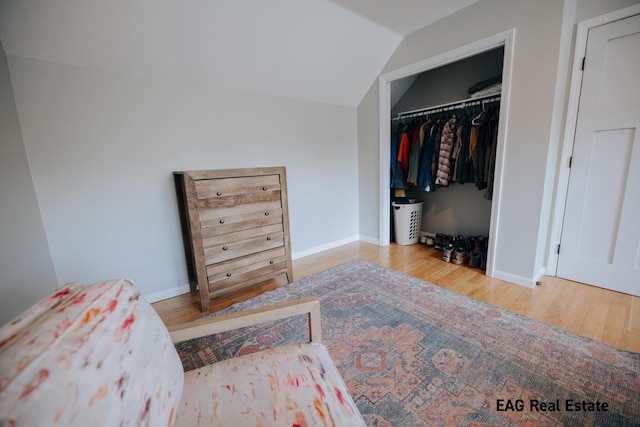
470, 86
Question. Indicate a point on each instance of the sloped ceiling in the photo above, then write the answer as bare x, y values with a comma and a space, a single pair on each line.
404, 16
327, 51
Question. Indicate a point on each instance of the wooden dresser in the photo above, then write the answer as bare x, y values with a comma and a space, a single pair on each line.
235, 226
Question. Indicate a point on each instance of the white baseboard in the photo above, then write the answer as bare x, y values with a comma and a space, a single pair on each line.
168, 293
322, 248
368, 239
528, 282
538, 276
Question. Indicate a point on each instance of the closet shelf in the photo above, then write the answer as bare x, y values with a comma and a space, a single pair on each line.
469, 102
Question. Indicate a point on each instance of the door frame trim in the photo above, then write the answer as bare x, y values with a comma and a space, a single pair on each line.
573, 101
506, 39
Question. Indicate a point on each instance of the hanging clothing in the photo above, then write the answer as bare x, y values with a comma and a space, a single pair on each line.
455, 154
403, 151
434, 153
425, 179
446, 145
464, 163
437, 136
482, 152
414, 157
473, 142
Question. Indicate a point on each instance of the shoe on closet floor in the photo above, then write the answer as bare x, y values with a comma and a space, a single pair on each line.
471, 243
449, 240
459, 255
481, 243
475, 259
447, 253
431, 241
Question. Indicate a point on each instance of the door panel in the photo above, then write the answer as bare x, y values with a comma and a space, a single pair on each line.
601, 230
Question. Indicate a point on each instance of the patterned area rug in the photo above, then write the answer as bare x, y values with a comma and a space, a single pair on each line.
414, 354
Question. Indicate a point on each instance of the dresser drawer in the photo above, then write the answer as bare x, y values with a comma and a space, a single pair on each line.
245, 269
219, 252
222, 221
229, 187
240, 236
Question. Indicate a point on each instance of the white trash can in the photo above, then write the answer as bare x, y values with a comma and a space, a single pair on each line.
408, 222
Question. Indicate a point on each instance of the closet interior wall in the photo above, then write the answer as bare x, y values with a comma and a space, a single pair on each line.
458, 208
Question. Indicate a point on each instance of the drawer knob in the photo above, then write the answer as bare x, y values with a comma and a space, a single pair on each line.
269, 238
271, 262
266, 214
228, 274
264, 188
219, 193
222, 221
224, 248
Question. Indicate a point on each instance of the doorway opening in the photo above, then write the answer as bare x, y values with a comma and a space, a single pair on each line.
500, 41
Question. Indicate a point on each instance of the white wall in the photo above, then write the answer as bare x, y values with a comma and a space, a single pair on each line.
26, 270
102, 147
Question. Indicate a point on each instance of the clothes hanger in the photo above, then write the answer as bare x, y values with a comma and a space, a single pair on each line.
479, 119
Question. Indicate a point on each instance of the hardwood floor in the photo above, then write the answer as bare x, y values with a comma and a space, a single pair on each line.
607, 316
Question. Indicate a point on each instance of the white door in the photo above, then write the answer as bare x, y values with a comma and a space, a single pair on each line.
601, 231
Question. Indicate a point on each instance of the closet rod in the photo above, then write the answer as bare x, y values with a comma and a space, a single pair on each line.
449, 106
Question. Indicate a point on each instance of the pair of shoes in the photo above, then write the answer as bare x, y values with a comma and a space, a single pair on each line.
442, 240
481, 243
459, 255
477, 243
447, 252
459, 240
471, 243
475, 259
430, 241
